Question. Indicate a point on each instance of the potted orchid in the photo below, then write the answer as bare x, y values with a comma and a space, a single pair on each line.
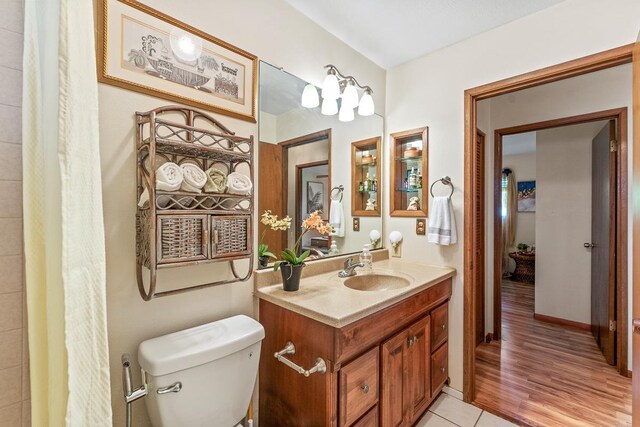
292, 264
272, 222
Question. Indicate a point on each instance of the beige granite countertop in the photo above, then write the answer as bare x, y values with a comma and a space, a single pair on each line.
325, 298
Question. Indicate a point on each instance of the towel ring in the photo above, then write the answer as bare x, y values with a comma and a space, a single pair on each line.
340, 189
446, 181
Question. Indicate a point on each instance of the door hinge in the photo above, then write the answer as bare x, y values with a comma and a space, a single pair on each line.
613, 146
613, 325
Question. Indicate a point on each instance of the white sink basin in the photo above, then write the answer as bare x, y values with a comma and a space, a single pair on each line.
376, 282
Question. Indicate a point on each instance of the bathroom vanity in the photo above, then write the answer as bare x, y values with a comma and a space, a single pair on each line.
383, 339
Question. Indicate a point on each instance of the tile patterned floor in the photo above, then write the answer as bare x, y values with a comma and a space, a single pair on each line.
448, 411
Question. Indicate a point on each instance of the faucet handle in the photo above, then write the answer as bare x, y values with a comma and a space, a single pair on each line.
348, 263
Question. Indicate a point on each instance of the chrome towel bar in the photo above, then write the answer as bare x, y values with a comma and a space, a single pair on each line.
320, 365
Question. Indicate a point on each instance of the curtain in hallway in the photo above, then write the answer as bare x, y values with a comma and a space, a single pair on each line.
509, 209
63, 224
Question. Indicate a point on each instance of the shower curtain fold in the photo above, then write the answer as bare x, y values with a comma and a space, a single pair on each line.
63, 227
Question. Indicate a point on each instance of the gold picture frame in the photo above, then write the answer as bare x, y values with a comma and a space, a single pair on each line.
146, 51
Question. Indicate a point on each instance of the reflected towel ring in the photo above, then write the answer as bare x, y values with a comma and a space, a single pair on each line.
340, 189
446, 181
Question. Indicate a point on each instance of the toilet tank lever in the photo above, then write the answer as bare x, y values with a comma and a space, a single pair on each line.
173, 388
320, 366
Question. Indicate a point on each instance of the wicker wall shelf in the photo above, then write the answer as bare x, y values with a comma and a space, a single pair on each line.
182, 228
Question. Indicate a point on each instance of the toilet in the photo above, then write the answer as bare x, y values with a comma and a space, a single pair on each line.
202, 376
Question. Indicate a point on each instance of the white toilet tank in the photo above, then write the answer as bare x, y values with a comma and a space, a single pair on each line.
207, 373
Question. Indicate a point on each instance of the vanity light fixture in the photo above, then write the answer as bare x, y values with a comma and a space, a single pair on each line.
336, 85
310, 98
374, 237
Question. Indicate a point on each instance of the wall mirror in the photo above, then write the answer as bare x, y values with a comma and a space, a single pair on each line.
306, 163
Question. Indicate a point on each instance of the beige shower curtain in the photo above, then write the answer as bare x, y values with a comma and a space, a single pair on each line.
508, 220
63, 228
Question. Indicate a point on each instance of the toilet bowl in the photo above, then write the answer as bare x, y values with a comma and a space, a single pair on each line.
202, 376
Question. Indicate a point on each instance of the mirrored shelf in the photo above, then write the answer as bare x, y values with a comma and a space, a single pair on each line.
365, 174
409, 175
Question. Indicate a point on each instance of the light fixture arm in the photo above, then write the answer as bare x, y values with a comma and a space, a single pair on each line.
343, 78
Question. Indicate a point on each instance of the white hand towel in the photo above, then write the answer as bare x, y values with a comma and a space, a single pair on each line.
336, 218
238, 183
169, 177
194, 178
442, 222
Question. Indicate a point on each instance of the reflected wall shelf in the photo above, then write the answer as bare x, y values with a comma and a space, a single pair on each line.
365, 177
177, 228
409, 172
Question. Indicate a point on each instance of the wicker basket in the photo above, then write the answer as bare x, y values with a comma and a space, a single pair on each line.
525, 267
230, 235
182, 238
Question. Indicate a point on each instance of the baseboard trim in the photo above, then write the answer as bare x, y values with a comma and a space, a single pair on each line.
562, 322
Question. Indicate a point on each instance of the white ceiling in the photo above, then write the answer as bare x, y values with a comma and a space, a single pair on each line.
519, 143
392, 32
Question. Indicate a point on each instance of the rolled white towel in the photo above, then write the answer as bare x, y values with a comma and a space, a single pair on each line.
238, 183
169, 177
194, 178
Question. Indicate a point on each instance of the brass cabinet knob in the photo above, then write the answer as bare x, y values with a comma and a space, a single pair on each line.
444, 326
365, 389
442, 370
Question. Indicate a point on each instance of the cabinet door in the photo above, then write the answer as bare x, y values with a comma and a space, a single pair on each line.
394, 405
419, 357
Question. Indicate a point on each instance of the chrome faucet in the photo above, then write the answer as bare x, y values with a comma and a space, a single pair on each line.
349, 268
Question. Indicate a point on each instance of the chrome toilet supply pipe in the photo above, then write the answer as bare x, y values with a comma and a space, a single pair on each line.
320, 365
131, 395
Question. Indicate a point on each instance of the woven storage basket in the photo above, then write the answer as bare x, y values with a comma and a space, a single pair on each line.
142, 242
182, 238
230, 235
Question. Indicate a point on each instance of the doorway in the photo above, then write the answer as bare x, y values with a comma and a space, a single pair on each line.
601, 61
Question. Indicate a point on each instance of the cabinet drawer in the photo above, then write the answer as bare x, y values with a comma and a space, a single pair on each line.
230, 236
369, 420
439, 368
358, 387
439, 325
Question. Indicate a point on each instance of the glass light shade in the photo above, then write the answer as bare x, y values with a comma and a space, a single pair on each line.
366, 107
329, 107
346, 113
331, 87
395, 237
310, 97
350, 96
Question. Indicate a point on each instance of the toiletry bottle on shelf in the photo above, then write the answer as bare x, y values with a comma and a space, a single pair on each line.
374, 185
412, 179
419, 179
367, 260
361, 187
367, 183
333, 250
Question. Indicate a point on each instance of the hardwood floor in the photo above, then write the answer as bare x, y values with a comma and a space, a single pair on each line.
541, 374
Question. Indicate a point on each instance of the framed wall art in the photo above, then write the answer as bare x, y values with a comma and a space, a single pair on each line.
526, 196
144, 50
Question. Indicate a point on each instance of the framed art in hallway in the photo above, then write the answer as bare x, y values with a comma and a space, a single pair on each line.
144, 50
526, 196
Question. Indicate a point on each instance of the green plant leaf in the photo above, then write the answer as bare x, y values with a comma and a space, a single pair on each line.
289, 256
276, 265
303, 256
269, 254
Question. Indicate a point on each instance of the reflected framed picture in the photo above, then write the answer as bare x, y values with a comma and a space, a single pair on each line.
144, 50
315, 197
526, 196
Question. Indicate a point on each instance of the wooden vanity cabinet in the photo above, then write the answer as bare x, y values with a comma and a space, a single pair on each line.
382, 370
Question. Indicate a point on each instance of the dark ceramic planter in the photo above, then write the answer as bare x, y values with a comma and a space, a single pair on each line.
263, 261
291, 276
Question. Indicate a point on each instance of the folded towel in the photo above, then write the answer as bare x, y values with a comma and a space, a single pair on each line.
216, 181
442, 222
169, 177
238, 183
194, 178
336, 218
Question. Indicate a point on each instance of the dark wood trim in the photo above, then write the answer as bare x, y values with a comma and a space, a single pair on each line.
488, 338
298, 199
636, 224
295, 142
562, 322
577, 67
395, 174
619, 230
585, 65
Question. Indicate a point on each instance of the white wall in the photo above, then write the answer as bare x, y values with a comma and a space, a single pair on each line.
563, 222
273, 31
524, 169
429, 91
268, 128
